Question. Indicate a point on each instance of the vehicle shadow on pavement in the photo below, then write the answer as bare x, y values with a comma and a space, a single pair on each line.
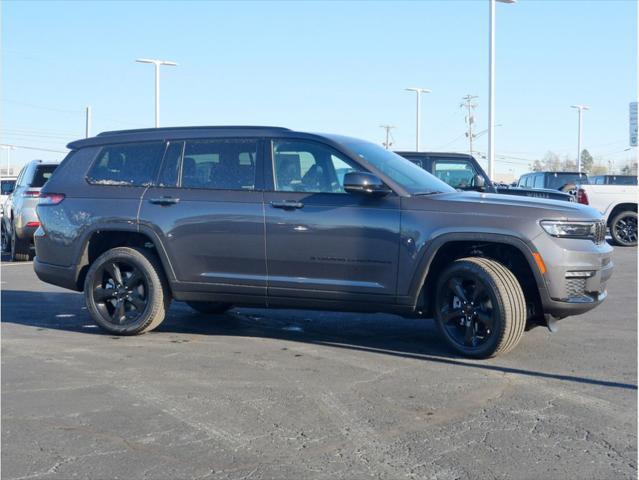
374, 333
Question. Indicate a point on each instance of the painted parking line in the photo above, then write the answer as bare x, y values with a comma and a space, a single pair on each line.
5, 264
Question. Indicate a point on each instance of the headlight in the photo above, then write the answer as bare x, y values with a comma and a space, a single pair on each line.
558, 228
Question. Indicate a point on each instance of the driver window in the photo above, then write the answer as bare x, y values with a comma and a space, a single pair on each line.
300, 166
457, 174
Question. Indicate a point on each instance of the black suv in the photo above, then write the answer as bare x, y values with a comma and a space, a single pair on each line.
264, 216
563, 181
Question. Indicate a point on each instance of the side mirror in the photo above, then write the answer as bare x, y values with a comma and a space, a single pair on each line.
479, 181
364, 182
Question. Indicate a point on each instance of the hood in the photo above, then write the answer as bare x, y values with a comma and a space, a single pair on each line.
502, 205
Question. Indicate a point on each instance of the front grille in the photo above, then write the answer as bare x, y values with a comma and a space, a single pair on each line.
600, 232
575, 287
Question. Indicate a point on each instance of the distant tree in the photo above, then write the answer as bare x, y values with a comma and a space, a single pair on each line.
630, 169
551, 162
586, 161
537, 166
598, 169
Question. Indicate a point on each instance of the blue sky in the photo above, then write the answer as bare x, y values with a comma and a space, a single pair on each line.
323, 66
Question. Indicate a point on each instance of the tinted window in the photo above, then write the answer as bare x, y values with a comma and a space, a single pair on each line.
623, 180
539, 181
127, 164
557, 181
41, 174
300, 166
412, 178
456, 173
223, 164
171, 165
7, 186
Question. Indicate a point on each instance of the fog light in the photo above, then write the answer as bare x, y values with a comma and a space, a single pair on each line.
583, 274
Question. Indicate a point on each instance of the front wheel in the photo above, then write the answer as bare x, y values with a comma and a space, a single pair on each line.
480, 307
623, 229
126, 292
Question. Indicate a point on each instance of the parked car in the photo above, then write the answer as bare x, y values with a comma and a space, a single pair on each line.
20, 221
7, 185
463, 172
618, 205
563, 181
613, 180
265, 216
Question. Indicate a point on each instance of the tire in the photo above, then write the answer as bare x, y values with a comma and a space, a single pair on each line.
495, 317
5, 244
209, 307
20, 249
623, 229
143, 290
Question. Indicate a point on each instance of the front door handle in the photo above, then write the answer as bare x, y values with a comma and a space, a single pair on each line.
164, 201
287, 204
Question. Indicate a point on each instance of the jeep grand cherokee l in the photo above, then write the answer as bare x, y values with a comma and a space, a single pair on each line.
269, 217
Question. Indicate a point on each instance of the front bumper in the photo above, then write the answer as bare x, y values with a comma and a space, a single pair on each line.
577, 274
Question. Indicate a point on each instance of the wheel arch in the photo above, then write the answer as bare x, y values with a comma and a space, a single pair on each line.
618, 208
101, 238
451, 246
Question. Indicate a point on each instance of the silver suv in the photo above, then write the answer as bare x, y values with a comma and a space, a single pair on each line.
265, 216
19, 219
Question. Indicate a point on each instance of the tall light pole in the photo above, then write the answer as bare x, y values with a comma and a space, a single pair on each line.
87, 125
157, 64
491, 88
419, 92
580, 109
8, 148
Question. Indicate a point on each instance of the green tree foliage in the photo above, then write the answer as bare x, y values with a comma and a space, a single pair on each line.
586, 161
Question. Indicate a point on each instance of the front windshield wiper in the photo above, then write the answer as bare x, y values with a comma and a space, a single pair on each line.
419, 194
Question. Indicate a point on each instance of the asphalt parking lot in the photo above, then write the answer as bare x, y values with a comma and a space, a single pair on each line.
290, 394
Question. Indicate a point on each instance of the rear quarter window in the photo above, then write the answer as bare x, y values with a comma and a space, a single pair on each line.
132, 164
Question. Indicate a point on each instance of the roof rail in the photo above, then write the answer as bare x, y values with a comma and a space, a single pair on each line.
177, 129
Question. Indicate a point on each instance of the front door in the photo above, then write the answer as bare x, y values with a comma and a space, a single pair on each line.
320, 239
208, 210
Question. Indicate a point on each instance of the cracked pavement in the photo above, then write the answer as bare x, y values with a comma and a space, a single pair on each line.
259, 394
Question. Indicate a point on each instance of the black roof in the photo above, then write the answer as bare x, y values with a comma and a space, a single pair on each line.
166, 133
560, 173
433, 154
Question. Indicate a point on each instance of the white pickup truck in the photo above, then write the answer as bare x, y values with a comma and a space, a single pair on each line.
618, 205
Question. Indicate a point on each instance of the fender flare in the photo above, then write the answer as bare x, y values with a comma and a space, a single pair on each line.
437, 242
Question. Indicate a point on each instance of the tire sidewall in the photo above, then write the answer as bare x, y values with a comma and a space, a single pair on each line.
470, 269
614, 222
145, 267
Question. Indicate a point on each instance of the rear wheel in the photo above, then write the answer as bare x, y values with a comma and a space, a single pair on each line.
19, 247
126, 292
209, 307
623, 229
480, 307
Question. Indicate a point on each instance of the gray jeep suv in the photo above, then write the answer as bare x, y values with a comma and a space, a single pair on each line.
269, 217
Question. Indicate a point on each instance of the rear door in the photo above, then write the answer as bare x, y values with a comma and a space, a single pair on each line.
207, 209
321, 242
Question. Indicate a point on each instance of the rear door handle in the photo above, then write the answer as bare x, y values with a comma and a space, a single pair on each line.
287, 204
164, 201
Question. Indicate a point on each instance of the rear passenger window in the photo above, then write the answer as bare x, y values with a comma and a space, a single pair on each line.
221, 164
127, 164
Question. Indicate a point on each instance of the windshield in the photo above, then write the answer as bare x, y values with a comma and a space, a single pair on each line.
414, 179
556, 181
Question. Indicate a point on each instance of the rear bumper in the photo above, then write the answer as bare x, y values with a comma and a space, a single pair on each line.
65, 277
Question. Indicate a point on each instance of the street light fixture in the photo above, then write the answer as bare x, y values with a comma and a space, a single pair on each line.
157, 64
419, 92
491, 88
580, 109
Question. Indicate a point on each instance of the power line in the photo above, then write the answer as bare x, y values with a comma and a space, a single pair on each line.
24, 147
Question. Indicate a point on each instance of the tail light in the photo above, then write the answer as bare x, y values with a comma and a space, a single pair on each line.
32, 193
582, 196
32, 224
50, 198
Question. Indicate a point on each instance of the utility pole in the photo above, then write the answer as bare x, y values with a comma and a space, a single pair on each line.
389, 138
470, 106
87, 127
157, 64
419, 92
8, 148
580, 109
